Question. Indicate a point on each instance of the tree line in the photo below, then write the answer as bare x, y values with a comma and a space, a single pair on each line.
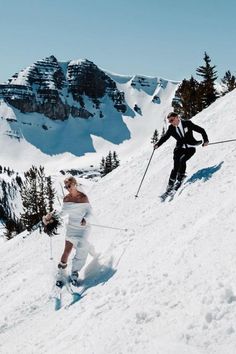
37, 195
193, 95
109, 163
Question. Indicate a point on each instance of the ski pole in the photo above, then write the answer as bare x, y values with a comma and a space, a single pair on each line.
51, 255
136, 195
109, 227
222, 141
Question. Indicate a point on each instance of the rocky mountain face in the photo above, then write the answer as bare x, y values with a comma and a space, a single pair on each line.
58, 90
76, 107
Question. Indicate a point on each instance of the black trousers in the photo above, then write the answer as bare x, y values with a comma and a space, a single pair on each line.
181, 155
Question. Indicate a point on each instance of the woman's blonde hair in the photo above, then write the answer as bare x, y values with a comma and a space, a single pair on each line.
71, 179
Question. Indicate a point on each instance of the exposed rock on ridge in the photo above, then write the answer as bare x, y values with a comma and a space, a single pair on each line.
58, 90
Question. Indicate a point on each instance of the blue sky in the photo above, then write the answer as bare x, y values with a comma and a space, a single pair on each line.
164, 38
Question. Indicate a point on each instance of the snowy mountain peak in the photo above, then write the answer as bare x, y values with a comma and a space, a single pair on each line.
76, 107
57, 90
43, 72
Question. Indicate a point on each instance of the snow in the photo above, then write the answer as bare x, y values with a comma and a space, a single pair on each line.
76, 61
168, 285
49, 142
21, 79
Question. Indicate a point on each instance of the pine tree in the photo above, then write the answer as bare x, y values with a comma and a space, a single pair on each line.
115, 160
188, 100
37, 200
13, 227
102, 166
2, 212
4, 201
229, 81
155, 137
209, 76
12, 224
163, 131
108, 166
50, 191
41, 191
19, 180
29, 196
109, 163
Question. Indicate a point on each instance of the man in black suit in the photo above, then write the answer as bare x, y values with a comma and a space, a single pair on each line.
182, 131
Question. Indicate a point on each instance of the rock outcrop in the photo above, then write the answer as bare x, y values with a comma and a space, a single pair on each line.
59, 90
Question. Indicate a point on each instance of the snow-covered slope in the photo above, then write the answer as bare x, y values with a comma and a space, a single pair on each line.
169, 282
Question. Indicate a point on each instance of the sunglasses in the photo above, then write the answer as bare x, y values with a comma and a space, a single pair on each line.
67, 186
171, 120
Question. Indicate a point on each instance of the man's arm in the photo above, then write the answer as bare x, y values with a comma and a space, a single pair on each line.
200, 130
163, 139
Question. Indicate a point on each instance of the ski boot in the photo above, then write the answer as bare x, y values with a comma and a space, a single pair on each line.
179, 182
61, 275
74, 278
168, 191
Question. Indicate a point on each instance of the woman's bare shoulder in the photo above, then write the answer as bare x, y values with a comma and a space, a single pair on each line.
80, 198
85, 199
66, 198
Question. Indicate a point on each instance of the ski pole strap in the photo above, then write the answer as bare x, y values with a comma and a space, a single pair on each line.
109, 227
222, 141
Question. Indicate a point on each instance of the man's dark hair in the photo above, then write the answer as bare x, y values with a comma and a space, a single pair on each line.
172, 114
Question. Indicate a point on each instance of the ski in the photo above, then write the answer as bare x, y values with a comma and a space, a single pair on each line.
57, 297
76, 296
58, 302
169, 195
75, 291
172, 195
166, 195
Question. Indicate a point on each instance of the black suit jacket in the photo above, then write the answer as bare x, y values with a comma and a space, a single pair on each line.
188, 127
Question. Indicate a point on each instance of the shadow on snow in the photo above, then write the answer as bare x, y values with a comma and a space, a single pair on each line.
95, 274
205, 174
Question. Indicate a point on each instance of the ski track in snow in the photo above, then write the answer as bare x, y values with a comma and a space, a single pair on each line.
173, 286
